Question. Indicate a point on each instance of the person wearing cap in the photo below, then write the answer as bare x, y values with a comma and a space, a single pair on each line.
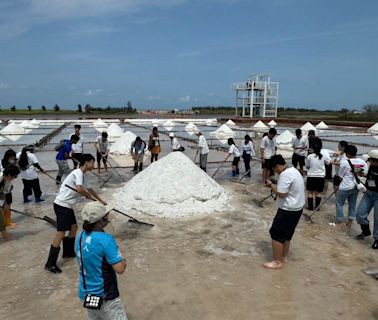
137, 152
99, 259
28, 163
203, 150
174, 143
73, 188
369, 200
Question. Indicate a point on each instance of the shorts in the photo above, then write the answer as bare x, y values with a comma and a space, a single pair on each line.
8, 198
315, 184
99, 156
336, 181
328, 168
298, 159
235, 162
110, 310
267, 164
284, 224
65, 218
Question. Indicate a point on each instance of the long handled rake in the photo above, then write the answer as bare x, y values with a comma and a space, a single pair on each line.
220, 166
59, 182
107, 161
44, 218
98, 176
309, 217
259, 203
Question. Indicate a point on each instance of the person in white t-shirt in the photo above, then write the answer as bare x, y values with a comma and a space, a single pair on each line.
248, 152
77, 148
347, 188
175, 145
203, 150
267, 150
28, 163
300, 145
339, 156
73, 188
102, 151
235, 151
316, 165
290, 200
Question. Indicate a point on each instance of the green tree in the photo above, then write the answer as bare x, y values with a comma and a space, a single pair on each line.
56, 108
43, 108
29, 107
13, 108
79, 108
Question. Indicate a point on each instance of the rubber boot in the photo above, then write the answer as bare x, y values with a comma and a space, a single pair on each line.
135, 167
237, 171
51, 261
233, 174
365, 232
7, 219
58, 180
310, 203
39, 199
69, 247
26, 199
318, 201
140, 167
375, 244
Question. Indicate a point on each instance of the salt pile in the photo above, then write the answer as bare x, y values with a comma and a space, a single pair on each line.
230, 123
114, 130
285, 138
308, 126
224, 131
272, 123
13, 128
28, 125
259, 125
123, 144
191, 128
373, 129
100, 124
321, 125
172, 187
210, 122
35, 122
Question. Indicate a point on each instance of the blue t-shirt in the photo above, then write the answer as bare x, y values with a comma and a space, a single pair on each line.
100, 252
66, 148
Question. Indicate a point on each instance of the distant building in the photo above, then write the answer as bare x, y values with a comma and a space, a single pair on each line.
257, 97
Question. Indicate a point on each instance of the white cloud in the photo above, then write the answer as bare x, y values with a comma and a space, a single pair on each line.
91, 92
185, 99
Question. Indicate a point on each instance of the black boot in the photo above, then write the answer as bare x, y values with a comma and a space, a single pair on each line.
51, 261
69, 247
365, 232
310, 203
375, 244
237, 170
135, 167
318, 201
140, 167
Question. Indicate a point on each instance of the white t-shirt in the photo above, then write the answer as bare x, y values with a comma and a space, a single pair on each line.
300, 143
31, 172
316, 166
202, 143
235, 151
345, 172
67, 197
78, 146
249, 148
175, 144
269, 146
103, 146
291, 182
339, 158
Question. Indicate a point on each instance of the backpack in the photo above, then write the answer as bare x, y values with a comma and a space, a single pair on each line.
59, 145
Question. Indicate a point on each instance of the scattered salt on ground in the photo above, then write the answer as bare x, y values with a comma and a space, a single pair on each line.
114, 130
373, 128
172, 187
272, 123
321, 125
308, 126
259, 125
284, 138
230, 123
13, 128
100, 124
123, 144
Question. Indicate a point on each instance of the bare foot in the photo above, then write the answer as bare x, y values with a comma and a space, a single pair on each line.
285, 259
11, 225
273, 264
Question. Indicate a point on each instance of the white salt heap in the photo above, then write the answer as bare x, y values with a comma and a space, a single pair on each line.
272, 123
285, 138
100, 124
230, 122
172, 187
259, 125
224, 131
123, 144
321, 125
191, 128
114, 130
210, 122
373, 128
13, 128
308, 126
35, 122
28, 125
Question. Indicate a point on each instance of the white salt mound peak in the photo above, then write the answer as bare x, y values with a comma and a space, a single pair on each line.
100, 124
13, 128
230, 123
224, 129
284, 138
114, 130
35, 122
373, 129
27, 125
210, 122
308, 126
123, 144
259, 125
272, 123
172, 187
191, 127
321, 125
168, 123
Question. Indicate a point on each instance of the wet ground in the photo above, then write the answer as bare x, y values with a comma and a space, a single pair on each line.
202, 268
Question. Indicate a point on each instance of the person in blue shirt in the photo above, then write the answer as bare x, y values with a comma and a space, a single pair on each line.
64, 152
99, 259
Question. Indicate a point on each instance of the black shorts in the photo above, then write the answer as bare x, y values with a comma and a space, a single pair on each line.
99, 156
8, 198
284, 224
297, 159
65, 218
328, 168
315, 184
235, 162
336, 181
267, 164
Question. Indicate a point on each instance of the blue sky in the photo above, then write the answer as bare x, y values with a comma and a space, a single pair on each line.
184, 53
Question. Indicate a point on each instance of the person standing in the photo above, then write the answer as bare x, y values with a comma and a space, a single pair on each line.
8, 159
99, 259
137, 152
28, 163
300, 145
78, 147
290, 200
340, 155
203, 150
347, 189
248, 152
369, 201
267, 150
10, 173
102, 151
72, 189
235, 151
154, 144
64, 153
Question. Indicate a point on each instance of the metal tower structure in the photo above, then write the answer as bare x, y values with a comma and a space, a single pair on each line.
257, 97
